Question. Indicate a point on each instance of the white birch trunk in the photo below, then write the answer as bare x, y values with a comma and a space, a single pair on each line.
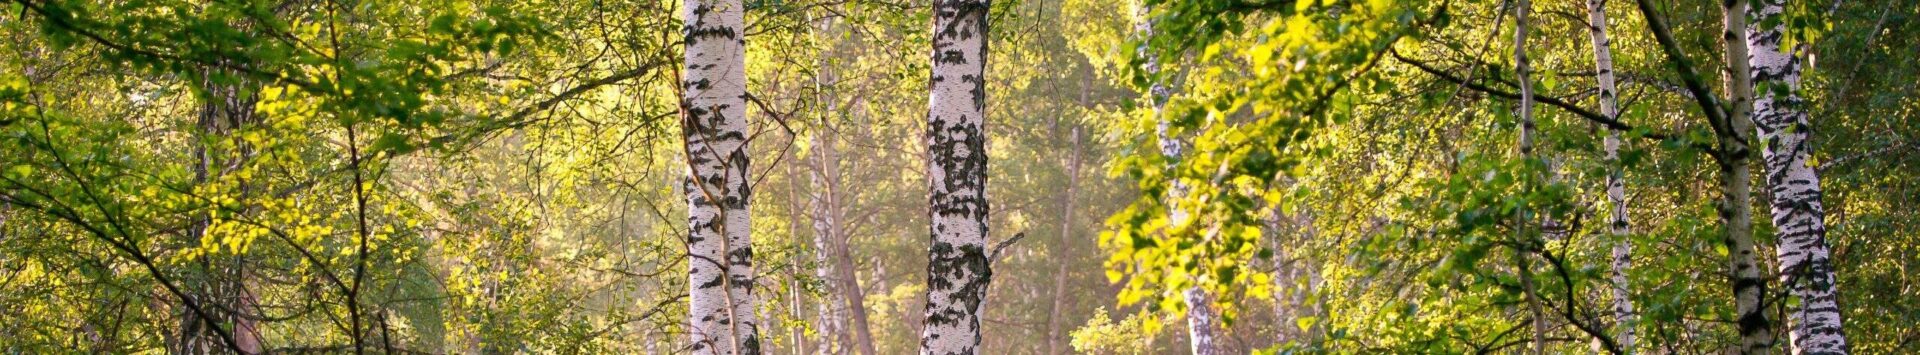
1521, 256
1799, 217
1617, 222
720, 269
1749, 286
1201, 322
825, 229
957, 267
826, 216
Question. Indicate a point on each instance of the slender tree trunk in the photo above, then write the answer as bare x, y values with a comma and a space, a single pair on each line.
1799, 217
1201, 322
1521, 254
837, 253
826, 216
720, 272
958, 271
1063, 257
796, 220
1735, 207
853, 298
826, 220
1730, 122
1056, 331
1617, 222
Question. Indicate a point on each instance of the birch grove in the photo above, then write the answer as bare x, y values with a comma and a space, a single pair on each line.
1199, 176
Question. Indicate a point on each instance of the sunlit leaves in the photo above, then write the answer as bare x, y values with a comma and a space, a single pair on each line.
1265, 76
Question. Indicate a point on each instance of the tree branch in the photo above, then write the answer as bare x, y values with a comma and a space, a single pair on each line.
1576, 110
1709, 104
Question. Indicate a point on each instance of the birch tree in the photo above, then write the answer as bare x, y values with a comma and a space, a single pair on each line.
1799, 217
1736, 209
844, 313
1202, 323
957, 267
1729, 121
1617, 222
1521, 218
832, 314
825, 213
720, 270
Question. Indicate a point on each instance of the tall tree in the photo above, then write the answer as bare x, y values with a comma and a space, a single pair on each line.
1064, 254
1736, 207
1202, 323
1522, 253
1729, 121
830, 199
957, 267
826, 218
1799, 216
1617, 222
720, 272
845, 306
825, 212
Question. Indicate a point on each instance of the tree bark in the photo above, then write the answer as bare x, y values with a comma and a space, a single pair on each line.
958, 271
1617, 221
1522, 253
1729, 122
826, 217
1799, 217
1736, 209
720, 271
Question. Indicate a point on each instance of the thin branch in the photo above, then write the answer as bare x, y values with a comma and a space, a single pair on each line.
995, 256
1709, 104
1576, 110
